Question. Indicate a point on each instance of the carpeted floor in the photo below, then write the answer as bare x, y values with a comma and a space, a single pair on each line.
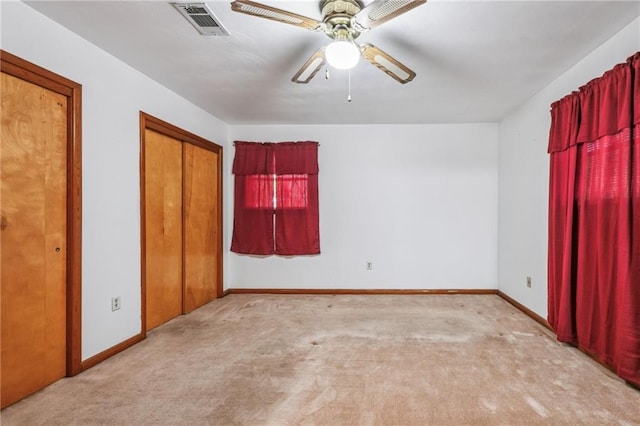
341, 360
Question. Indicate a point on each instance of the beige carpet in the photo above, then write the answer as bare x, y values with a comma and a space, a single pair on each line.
341, 360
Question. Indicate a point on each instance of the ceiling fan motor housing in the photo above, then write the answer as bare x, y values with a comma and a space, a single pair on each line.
337, 14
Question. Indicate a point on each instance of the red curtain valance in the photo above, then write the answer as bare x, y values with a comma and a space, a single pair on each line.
267, 158
296, 158
604, 106
253, 159
564, 123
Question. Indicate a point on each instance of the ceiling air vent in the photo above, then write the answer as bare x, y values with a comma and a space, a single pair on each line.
203, 20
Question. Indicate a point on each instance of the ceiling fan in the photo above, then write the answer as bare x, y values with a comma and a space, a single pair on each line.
343, 21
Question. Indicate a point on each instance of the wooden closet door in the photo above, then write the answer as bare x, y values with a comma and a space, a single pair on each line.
201, 233
33, 162
163, 228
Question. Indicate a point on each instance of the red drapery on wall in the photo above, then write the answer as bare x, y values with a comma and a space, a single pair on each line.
297, 218
561, 291
594, 219
253, 195
278, 179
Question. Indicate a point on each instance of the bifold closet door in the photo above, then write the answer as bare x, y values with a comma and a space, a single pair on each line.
33, 163
200, 201
163, 228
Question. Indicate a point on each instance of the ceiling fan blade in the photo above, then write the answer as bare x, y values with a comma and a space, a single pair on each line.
310, 68
386, 63
380, 11
268, 12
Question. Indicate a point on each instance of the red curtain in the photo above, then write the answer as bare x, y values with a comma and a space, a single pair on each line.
253, 167
594, 219
561, 291
297, 218
276, 198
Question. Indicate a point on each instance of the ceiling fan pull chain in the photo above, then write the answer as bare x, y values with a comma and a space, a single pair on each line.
326, 73
349, 97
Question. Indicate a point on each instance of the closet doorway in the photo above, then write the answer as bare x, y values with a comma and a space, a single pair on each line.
40, 228
181, 216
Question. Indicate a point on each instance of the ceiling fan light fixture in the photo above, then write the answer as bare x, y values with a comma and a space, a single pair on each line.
342, 53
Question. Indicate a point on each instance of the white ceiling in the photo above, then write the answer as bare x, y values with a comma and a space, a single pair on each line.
475, 60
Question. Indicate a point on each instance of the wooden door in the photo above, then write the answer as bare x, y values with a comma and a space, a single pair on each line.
163, 228
33, 165
181, 212
201, 218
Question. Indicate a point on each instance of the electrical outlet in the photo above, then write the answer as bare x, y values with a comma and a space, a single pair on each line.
115, 303
529, 282
369, 265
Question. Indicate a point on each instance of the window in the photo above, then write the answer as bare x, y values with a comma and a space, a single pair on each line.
273, 191
276, 198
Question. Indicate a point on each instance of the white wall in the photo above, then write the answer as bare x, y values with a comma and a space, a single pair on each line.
524, 173
420, 201
113, 94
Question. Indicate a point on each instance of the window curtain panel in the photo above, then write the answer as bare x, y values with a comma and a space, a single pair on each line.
253, 194
276, 198
297, 218
594, 219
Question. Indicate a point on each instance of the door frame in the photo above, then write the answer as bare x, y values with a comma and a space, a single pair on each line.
27, 71
149, 122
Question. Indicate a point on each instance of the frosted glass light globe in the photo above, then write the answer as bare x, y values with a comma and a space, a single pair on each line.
342, 55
